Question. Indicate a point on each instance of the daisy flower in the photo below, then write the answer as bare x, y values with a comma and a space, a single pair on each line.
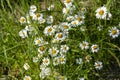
88, 58
49, 30
65, 26
62, 59
50, 20
39, 41
60, 36
37, 16
79, 60
22, 20
75, 23
80, 19
98, 65
70, 18
33, 8
35, 59
45, 72
53, 51
84, 45
26, 66
46, 61
23, 33
41, 49
94, 48
27, 78
101, 12
114, 32
68, 3
56, 61
42, 67
64, 49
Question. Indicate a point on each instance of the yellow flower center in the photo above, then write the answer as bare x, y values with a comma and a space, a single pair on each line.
38, 15
79, 19
87, 57
83, 44
61, 59
60, 35
45, 61
53, 51
98, 65
74, 22
22, 19
50, 29
65, 27
101, 12
39, 41
94, 47
64, 48
114, 32
27, 78
68, 1
41, 48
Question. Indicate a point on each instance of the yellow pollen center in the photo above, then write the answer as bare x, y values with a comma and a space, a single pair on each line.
22, 20
65, 27
79, 19
87, 57
46, 61
101, 12
27, 78
83, 44
39, 42
50, 29
61, 59
98, 65
60, 35
53, 51
114, 32
68, 1
37, 15
94, 47
41, 48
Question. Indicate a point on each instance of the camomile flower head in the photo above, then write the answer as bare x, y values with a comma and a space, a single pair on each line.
22, 20
27, 78
79, 61
88, 58
41, 49
45, 72
65, 26
74, 23
39, 41
41, 21
35, 59
95, 48
33, 8
23, 33
80, 19
26, 66
70, 18
46, 61
53, 51
101, 12
114, 32
50, 20
84, 45
42, 67
98, 65
56, 61
62, 59
37, 16
49, 30
68, 3
64, 49
60, 36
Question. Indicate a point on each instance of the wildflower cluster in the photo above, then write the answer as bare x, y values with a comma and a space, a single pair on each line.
52, 41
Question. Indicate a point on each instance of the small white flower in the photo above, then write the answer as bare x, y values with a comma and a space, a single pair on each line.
65, 26
41, 21
56, 61
79, 60
39, 41
88, 58
45, 72
98, 65
75, 23
41, 49
101, 12
22, 20
62, 59
94, 48
26, 66
60, 36
84, 45
50, 20
42, 66
37, 16
51, 7
35, 59
114, 32
64, 49
49, 30
33, 8
53, 51
46, 61
80, 19
68, 3
70, 18
27, 78
23, 33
